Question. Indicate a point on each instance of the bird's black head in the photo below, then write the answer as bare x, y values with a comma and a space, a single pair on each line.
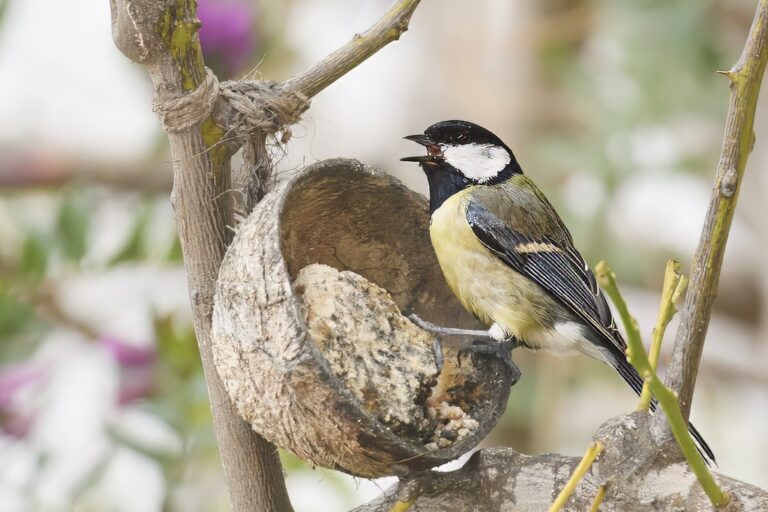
461, 154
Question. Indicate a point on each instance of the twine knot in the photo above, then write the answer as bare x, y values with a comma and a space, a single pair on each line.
260, 106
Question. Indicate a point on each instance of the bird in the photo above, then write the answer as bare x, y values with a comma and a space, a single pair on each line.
509, 258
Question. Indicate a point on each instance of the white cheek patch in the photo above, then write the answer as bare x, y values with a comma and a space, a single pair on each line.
479, 162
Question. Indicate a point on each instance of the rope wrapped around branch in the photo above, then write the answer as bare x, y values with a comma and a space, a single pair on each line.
261, 109
257, 109
190, 109
260, 106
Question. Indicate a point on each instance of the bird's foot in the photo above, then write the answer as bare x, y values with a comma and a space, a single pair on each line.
448, 331
491, 342
500, 349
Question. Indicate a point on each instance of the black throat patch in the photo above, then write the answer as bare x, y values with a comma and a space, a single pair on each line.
444, 181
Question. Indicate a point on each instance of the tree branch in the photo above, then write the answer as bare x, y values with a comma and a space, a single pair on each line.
738, 140
389, 28
256, 109
162, 34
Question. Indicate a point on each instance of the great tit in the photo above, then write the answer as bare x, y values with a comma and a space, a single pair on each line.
507, 255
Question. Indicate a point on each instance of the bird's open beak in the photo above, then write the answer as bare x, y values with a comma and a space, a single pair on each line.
419, 139
434, 151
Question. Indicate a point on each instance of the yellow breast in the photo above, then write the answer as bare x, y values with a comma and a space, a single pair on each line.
486, 286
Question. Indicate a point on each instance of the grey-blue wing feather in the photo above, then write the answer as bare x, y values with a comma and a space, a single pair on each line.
557, 267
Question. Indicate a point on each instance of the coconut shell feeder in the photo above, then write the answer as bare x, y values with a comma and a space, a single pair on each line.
310, 334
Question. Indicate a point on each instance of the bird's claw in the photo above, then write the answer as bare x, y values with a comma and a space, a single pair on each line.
502, 350
486, 344
437, 348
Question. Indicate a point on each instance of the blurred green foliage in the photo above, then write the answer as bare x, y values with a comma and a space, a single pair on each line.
611, 70
133, 249
72, 227
60, 245
19, 327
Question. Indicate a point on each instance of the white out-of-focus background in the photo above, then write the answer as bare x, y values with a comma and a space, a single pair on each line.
613, 107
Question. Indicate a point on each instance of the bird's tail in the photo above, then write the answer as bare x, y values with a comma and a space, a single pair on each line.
631, 377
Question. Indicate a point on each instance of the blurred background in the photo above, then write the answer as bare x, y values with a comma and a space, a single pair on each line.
612, 106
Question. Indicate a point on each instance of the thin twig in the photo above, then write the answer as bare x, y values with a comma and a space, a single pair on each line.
402, 506
603, 274
387, 29
586, 462
738, 140
674, 287
599, 497
665, 396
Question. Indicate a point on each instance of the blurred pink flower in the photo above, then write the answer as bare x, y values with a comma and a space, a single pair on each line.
15, 424
134, 386
127, 354
136, 368
228, 34
14, 419
15, 377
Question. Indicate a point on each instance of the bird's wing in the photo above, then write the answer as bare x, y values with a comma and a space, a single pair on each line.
552, 263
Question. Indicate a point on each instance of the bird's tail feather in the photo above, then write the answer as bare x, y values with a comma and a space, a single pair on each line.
631, 377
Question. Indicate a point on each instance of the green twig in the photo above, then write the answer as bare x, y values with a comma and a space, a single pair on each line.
604, 275
598, 499
401, 506
586, 462
666, 397
674, 286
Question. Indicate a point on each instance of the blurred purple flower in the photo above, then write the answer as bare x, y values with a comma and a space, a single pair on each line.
15, 424
136, 368
127, 354
134, 385
228, 34
15, 377
14, 420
